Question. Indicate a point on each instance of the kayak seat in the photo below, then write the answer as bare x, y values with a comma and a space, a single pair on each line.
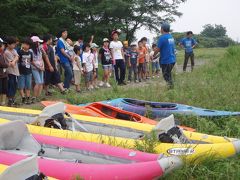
15, 136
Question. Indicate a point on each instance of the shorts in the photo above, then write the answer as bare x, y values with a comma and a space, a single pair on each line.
77, 77
108, 67
89, 76
38, 76
3, 85
155, 66
141, 67
52, 77
25, 81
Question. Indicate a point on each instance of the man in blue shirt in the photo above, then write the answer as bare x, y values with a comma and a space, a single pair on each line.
188, 44
166, 47
65, 58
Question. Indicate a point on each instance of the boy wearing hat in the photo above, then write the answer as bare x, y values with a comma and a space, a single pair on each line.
166, 47
94, 48
25, 70
117, 53
3, 74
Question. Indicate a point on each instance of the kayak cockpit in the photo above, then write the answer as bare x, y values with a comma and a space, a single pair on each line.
157, 105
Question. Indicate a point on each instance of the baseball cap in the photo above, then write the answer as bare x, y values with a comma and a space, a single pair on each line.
36, 39
133, 44
165, 27
94, 45
105, 40
115, 32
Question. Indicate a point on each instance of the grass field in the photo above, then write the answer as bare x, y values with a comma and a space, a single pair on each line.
215, 85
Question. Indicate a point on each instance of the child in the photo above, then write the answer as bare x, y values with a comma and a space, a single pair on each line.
37, 67
11, 56
106, 59
88, 65
24, 65
155, 62
94, 48
147, 58
77, 68
133, 62
141, 59
3, 75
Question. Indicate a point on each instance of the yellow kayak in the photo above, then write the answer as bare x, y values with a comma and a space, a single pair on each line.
204, 145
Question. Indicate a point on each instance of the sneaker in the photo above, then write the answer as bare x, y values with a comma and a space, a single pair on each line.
34, 99
140, 80
48, 93
107, 85
96, 87
158, 76
91, 87
28, 101
124, 83
136, 81
101, 84
129, 81
153, 76
24, 100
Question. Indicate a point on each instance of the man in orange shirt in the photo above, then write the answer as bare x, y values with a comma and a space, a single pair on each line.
141, 61
147, 59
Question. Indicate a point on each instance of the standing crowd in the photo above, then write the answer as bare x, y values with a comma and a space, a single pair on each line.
35, 63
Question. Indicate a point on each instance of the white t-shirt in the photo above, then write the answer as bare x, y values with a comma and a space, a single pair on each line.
88, 58
76, 63
156, 57
116, 49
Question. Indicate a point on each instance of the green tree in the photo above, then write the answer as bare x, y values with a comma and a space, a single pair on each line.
214, 31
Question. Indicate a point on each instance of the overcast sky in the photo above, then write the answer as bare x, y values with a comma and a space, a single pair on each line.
197, 13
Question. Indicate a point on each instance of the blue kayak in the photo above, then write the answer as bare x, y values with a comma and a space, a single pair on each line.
162, 109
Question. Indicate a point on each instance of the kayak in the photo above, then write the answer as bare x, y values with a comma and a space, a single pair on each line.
65, 159
21, 169
106, 111
197, 145
162, 109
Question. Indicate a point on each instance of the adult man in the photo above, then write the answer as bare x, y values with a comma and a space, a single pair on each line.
116, 48
166, 47
188, 44
65, 58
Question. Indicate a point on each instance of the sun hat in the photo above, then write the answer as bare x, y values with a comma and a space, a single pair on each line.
94, 45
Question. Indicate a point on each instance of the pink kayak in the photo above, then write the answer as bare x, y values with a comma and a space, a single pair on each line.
66, 159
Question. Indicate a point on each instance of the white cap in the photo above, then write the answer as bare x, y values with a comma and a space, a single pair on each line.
94, 45
105, 40
133, 44
36, 39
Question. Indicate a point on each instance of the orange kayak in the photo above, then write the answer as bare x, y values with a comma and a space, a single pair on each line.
106, 111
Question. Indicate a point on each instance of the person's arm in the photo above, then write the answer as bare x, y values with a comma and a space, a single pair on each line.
61, 46
3, 63
91, 39
46, 60
194, 43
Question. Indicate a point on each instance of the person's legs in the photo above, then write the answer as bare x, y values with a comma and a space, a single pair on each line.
185, 61
167, 73
135, 71
116, 68
130, 70
3, 90
21, 85
12, 88
192, 61
122, 70
68, 74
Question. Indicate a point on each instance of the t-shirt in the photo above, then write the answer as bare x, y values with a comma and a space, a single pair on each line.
105, 56
116, 48
38, 58
60, 45
142, 54
156, 58
24, 63
166, 44
50, 52
88, 60
188, 43
76, 63
9, 56
133, 57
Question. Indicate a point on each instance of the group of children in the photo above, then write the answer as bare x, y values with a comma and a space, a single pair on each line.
36, 64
